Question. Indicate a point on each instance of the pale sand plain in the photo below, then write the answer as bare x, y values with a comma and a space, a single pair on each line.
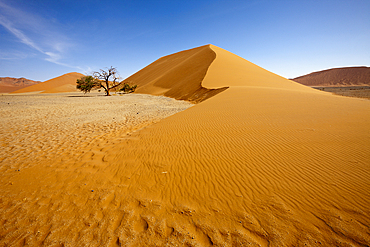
42, 126
348, 91
266, 162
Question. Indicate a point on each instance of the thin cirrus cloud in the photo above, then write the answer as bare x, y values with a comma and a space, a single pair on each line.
6, 55
24, 26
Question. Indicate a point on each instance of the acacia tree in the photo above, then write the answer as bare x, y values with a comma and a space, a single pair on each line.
107, 79
86, 83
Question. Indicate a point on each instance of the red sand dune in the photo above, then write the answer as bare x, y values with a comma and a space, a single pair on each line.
8, 84
64, 83
348, 76
266, 162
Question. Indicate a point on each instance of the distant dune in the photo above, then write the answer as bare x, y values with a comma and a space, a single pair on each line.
265, 161
348, 76
64, 83
8, 84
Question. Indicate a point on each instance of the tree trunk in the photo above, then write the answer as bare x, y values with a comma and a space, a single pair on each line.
107, 90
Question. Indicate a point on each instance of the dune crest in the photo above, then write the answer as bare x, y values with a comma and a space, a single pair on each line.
56, 85
178, 75
230, 70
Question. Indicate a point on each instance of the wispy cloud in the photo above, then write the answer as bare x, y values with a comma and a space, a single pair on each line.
35, 32
19, 34
12, 55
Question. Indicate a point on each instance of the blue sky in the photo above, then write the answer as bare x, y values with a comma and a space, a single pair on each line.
43, 39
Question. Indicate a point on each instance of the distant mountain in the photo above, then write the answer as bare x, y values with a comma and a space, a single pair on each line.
9, 84
347, 76
60, 84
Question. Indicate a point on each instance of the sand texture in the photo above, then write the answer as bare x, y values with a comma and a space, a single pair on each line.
266, 162
337, 77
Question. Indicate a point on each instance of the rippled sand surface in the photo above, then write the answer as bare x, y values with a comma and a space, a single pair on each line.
265, 162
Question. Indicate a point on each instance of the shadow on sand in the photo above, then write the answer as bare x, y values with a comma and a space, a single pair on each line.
84, 96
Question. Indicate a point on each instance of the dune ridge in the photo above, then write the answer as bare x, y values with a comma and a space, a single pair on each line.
264, 163
178, 75
60, 84
229, 69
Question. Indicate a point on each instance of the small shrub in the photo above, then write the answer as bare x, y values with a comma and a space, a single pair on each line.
127, 88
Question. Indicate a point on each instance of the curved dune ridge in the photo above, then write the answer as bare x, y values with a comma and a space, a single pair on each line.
61, 84
231, 70
266, 162
347, 76
178, 75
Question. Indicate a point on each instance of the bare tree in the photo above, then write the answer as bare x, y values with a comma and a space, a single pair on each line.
107, 79
104, 76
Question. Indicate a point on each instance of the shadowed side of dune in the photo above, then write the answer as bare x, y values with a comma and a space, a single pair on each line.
64, 83
178, 76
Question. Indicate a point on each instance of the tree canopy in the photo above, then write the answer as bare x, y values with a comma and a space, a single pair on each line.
86, 83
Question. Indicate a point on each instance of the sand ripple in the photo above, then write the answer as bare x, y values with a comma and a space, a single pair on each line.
37, 127
256, 170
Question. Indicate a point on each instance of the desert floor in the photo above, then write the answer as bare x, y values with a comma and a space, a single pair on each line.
349, 91
66, 124
38, 129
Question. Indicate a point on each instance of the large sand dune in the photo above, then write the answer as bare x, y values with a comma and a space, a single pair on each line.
266, 162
